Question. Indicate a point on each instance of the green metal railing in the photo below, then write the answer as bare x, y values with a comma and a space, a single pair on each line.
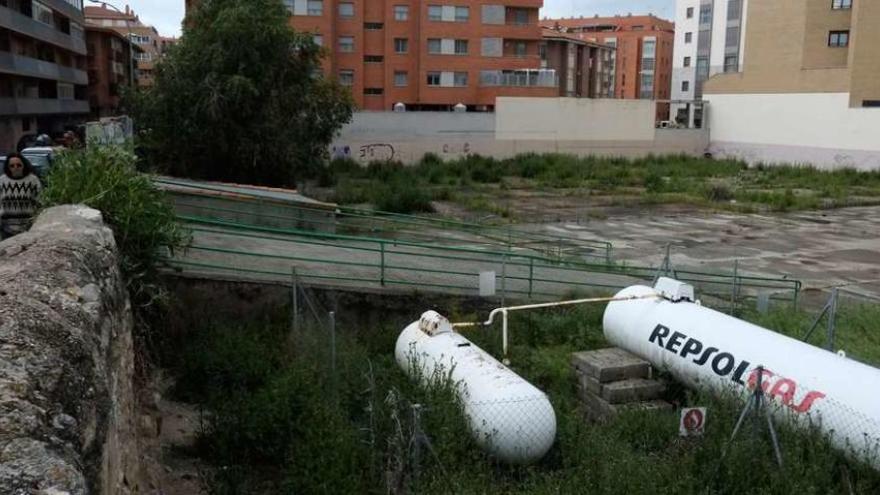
383, 262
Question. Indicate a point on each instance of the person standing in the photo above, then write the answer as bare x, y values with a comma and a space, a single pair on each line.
19, 195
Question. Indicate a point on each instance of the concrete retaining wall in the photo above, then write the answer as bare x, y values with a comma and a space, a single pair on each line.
520, 125
67, 405
818, 129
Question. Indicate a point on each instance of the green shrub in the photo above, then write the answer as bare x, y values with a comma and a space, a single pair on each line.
400, 196
718, 193
142, 219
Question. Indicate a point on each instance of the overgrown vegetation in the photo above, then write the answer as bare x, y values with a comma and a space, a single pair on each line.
143, 221
240, 99
490, 184
281, 422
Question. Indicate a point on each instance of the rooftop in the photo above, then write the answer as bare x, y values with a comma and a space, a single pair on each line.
648, 22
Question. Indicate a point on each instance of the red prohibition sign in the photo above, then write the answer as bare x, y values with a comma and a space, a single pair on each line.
693, 420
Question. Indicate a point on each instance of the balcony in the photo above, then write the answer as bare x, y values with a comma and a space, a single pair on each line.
14, 21
41, 106
72, 12
32, 67
520, 78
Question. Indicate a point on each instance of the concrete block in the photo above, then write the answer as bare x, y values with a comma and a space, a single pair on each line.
599, 409
632, 390
611, 364
588, 384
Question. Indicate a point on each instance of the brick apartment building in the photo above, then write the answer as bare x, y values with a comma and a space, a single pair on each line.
429, 55
584, 67
127, 24
43, 75
642, 66
109, 65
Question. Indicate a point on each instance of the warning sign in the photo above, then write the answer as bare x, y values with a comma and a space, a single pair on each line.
693, 421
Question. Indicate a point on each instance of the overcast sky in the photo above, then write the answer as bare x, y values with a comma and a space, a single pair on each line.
167, 14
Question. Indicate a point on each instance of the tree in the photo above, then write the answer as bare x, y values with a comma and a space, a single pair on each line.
240, 99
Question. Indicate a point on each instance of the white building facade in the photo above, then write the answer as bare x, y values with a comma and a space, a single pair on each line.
709, 40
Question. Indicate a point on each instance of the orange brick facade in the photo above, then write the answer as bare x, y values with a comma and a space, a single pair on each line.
428, 54
633, 63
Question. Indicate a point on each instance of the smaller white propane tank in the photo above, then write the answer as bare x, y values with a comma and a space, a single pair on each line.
508, 416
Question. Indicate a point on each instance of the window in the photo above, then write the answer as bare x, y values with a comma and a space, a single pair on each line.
373, 26
42, 13
346, 44
77, 31
346, 10
373, 59
435, 46
732, 37
687, 61
520, 17
841, 4
734, 10
731, 63
494, 14
401, 12
690, 13
374, 91
648, 64
401, 45
460, 79
685, 86
433, 79
462, 14
702, 68
647, 87
688, 37
346, 77
838, 38
435, 13
140, 40
461, 47
65, 91
401, 79
706, 14
520, 48
315, 7
318, 39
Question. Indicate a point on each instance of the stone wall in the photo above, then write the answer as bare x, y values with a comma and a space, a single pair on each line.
67, 405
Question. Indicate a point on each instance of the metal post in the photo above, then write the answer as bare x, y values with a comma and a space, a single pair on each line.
294, 296
503, 279
733, 287
531, 274
832, 317
382, 263
417, 442
505, 360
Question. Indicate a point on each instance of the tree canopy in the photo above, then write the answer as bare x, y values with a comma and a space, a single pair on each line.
241, 98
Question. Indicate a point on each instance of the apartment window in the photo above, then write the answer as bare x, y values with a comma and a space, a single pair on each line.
374, 91
346, 44
685, 86
373, 26
731, 63
520, 48
841, 4
373, 59
520, 17
706, 14
462, 14
318, 39
401, 45
435, 46
871, 103
42, 13
346, 10
401, 12
494, 14
690, 13
838, 38
688, 37
433, 79
401, 79
734, 10
346, 77
648, 64
687, 61
461, 47
435, 13
65, 91
460, 79
315, 7
647, 87
702, 68
732, 37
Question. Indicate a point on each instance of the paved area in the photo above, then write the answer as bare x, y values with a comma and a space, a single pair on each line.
822, 249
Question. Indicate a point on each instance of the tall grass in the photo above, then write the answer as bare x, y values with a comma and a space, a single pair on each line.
280, 422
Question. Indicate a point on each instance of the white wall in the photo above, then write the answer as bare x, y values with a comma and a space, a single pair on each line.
813, 128
574, 119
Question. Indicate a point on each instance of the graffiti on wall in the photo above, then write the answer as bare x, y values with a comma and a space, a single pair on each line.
379, 151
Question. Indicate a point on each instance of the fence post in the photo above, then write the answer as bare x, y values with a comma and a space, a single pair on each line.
733, 287
503, 279
333, 347
417, 442
294, 321
832, 317
382, 264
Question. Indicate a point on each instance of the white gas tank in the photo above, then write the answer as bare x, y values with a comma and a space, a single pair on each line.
508, 416
713, 351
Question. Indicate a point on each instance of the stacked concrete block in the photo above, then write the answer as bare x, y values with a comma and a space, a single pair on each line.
613, 380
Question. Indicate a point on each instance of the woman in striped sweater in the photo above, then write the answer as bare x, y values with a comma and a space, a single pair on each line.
19, 194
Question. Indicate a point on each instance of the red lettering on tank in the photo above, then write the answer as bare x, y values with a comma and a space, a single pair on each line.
765, 382
808, 401
784, 389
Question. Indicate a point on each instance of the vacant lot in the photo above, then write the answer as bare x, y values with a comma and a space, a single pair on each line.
536, 187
